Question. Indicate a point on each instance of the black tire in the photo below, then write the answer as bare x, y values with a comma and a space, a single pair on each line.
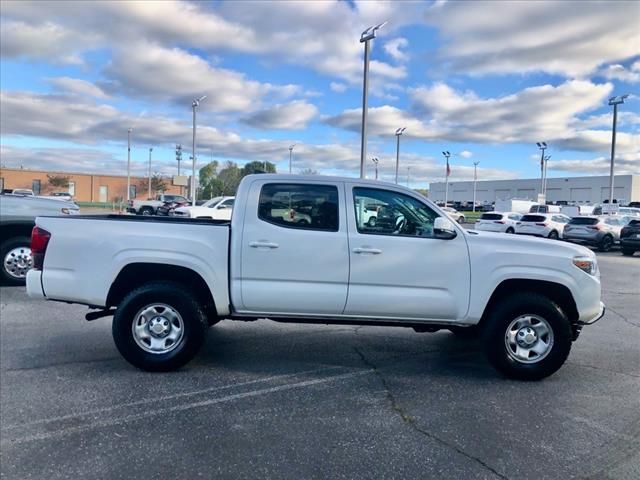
553, 235
628, 252
466, 333
605, 244
461, 220
8, 273
179, 299
510, 230
372, 221
146, 211
498, 324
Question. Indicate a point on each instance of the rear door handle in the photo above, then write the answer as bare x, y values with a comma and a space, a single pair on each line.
263, 244
367, 250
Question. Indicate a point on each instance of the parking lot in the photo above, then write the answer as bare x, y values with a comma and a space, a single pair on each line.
268, 400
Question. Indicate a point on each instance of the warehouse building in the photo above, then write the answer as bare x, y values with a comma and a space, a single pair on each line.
84, 187
587, 190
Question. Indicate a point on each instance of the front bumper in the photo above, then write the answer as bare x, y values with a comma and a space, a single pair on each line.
594, 319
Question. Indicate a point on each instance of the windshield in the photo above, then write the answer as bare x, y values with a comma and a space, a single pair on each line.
212, 202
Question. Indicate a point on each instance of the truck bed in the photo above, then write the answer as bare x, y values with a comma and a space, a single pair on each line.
147, 218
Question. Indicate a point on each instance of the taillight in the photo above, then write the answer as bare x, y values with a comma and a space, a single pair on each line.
541, 224
39, 241
594, 227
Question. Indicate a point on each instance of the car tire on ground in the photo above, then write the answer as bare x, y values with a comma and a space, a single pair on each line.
527, 337
160, 326
372, 222
146, 211
605, 244
628, 252
461, 219
510, 230
553, 235
15, 254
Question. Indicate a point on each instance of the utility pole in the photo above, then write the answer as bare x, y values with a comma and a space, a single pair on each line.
475, 180
446, 154
399, 132
408, 176
546, 162
150, 150
290, 156
195, 104
375, 161
615, 101
542, 146
129, 163
179, 159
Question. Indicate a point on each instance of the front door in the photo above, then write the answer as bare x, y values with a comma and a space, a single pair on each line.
295, 255
103, 194
398, 268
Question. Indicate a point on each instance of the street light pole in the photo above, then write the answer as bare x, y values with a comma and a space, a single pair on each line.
398, 133
446, 154
375, 162
129, 163
542, 146
544, 187
195, 104
368, 35
615, 101
408, 175
475, 180
290, 156
150, 150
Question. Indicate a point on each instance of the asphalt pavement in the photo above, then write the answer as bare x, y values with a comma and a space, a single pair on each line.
268, 400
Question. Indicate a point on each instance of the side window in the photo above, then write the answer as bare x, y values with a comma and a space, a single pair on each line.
227, 204
305, 206
394, 213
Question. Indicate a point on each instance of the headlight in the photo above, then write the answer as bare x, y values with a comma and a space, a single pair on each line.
586, 264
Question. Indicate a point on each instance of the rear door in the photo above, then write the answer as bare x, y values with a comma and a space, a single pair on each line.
398, 269
294, 249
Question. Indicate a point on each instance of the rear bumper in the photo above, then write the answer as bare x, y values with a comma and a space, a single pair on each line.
582, 240
595, 318
630, 242
34, 284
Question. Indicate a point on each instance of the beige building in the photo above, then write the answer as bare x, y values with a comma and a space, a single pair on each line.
84, 187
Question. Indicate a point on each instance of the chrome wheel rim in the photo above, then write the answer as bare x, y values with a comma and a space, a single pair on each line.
528, 339
157, 328
18, 261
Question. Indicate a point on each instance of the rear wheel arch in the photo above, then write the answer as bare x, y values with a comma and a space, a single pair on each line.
135, 275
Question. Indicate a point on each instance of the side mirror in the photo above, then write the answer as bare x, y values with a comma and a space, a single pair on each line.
222, 207
443, 229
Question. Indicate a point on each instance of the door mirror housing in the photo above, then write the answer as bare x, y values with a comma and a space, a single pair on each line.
443, 229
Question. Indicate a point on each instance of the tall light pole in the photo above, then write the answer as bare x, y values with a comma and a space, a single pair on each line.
475, 180
446, 178
368, 35
615, 101
195, 104
398, 133
179, 159
544, 187
290, 156
150, 150
408, 175
129, 130
542, 146
375, 162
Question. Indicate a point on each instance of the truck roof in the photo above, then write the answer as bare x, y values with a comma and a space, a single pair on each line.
322, 178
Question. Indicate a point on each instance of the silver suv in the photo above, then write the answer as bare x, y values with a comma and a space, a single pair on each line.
602, 232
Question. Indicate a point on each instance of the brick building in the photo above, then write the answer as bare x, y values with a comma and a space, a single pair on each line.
84, 187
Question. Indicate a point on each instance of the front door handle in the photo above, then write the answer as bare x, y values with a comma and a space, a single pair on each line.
367, 250
263, 244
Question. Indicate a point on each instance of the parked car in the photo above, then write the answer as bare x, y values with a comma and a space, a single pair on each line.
630, 237
218, 208
150, 207
62, 196
17, 219
22, 191
165, 279
550, 225
544, 209
453, 213
504, 222
602, 232
168, 207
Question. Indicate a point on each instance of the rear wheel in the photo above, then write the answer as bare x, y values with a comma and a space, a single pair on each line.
146, 211
606, 243
461, 219
628, 252
372, 222
510, 230
528, 337
15, 254
159, 326
553, 235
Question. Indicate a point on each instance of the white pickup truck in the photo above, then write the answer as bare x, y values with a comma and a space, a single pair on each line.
165, 280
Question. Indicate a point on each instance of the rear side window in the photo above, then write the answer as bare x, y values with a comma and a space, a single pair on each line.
583, 221
491, 216
634, 223
303, 206
533, 218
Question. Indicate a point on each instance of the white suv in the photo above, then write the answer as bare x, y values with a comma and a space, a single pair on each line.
504, 222
549, 225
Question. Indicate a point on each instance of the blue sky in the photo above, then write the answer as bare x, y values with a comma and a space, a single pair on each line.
483, 80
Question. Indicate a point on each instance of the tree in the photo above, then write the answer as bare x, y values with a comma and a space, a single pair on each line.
158, 184
58, 181
258, 167
308, 171
230, 177
209, 185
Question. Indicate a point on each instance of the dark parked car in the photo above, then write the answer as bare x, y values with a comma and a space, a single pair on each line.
167, 207
630, 238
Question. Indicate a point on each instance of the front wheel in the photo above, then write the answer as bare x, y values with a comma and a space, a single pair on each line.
528, 337
606, 243
159, 326
146, 211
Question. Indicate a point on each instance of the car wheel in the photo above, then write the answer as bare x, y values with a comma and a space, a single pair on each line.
372, 222
528, 337
510, 230
16, 260
606, 243
146, 211
302, 222
159, 326
628, 252
553, 235
466, 333
461, 220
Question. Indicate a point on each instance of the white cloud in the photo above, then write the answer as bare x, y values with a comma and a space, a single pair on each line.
338, 87
618, 72
77, 86
628, 164
465, 154
393, 48
563, 38
289, 116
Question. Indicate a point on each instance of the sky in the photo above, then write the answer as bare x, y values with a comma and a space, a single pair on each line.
484, 80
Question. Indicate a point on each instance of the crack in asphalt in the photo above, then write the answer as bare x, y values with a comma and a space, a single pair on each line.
623, 317
603, 369
410, 421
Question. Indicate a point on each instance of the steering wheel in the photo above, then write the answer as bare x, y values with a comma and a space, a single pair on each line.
401, 222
